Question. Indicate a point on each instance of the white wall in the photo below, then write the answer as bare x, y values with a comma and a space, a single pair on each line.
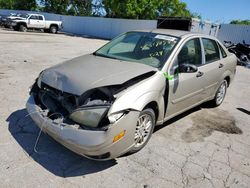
95, 26
204, 27
109, 28
104, 27
234, 33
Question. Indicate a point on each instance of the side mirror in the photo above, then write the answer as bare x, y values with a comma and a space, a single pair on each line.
187, 68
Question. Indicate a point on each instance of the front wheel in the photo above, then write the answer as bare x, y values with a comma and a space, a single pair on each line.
53, 29
220, 94
144, 129
22, 28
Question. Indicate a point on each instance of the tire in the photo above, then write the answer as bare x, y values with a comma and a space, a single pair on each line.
220, 94
143, 134
22, 28
53, 29
15, 28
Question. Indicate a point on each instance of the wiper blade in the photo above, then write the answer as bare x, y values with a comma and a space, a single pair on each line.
103, 55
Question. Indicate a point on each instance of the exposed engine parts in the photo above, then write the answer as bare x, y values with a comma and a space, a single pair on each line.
93, 104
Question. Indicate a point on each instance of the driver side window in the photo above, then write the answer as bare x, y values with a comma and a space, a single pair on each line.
33, 17
191, 53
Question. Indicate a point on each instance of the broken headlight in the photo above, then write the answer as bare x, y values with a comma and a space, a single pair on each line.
89, 116
115, 117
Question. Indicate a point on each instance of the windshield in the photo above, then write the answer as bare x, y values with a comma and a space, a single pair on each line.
147, 48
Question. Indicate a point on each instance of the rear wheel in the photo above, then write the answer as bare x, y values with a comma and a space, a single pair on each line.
144, 129
53, 29
220, 94
22, 28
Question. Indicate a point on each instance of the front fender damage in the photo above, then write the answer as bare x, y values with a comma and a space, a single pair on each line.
58, 104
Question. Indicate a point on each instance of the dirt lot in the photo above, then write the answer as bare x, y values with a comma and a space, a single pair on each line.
201, 148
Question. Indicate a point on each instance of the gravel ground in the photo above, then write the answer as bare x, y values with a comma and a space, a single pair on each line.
204, 147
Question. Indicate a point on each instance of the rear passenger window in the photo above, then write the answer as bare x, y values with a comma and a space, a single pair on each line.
211, 50
223, 53
40, 18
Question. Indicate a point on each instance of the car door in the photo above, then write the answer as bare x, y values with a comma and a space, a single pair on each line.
213, 66
186, 89
33, 21
41, 22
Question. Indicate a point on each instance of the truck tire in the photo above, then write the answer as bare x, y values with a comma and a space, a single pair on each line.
22, 28
53, 29
15, 28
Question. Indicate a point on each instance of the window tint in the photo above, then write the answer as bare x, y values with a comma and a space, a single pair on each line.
223, 53
40, 18
211, 50
191, 53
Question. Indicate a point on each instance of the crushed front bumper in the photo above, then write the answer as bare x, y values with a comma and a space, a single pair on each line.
92, 144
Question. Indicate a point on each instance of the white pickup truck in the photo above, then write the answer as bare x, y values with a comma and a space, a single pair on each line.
35, 21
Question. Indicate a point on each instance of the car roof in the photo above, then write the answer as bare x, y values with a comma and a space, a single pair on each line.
35, 14
177, 33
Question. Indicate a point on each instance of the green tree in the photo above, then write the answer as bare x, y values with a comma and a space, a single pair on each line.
6, 4
174, 8
240, 22
71, 7
24, 4
55, 6
145, 9
196, 15
18, 4
81, 7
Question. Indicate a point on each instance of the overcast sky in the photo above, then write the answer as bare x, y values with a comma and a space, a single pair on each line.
220, 10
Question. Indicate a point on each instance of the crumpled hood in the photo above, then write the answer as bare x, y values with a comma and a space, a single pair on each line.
87, 72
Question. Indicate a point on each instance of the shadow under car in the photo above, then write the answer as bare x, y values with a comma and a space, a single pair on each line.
51, 155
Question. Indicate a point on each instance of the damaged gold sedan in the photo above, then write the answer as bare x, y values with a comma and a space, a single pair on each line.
106, 104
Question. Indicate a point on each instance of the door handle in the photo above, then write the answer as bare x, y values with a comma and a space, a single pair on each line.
199, 74
221, 65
